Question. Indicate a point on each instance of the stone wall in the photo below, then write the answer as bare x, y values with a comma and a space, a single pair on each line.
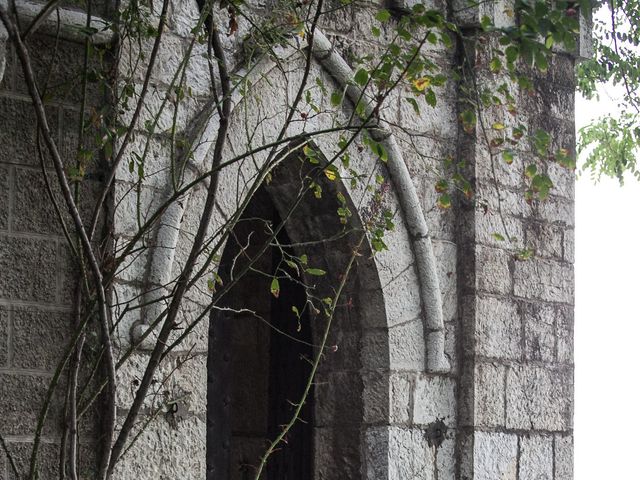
37, 269
503, 411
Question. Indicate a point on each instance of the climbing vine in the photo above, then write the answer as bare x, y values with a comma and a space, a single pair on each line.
162, 139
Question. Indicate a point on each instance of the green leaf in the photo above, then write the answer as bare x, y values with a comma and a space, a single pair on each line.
530, 171
275, 287
444, 201
495, 65
414, 104
498, 237
511, 52
383, 15
486, 23
361, 77
317, 272
430, 97
507, 156
336, 98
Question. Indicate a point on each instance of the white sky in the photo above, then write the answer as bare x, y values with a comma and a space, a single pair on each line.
607, 322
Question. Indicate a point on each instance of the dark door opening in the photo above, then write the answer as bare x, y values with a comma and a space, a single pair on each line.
259, 361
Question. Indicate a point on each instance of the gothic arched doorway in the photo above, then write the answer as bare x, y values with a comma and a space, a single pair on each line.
260, 356
263, 336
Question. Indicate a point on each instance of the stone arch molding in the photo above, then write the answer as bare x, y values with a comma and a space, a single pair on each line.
406, 271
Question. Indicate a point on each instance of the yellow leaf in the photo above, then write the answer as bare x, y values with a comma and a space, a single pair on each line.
330, 173
498, 126
421, 83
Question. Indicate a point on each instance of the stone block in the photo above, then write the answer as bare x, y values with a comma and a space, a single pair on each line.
134, 207
167, 450
498, 328
374, 352
409, 455
446, 258
40, 338
7, 80
451, 345
337, 451
33, 210
564, 180
402, 298
28, 269
21, 398
19, 140
495, 456
154, 152
4, 336
446, 458
340, 19
569, 245
4, 196
339, 398
540, 332
543, 279
564, 335
489, 395
499, 231
21, 455
545, 240
63, 77
539, 398
400, 398
438, 121
557, 210
406, 346
376, 452
377, 398
434, 399
493, 274
563, 457
536, 458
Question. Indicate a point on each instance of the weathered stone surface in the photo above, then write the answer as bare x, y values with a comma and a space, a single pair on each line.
539, 398
33, 212
553, 280
166, 451
545, 240
489, 395
498, 327
563, 457
569, 245
540, 332
21, 411
400, 398
536, 458
21, 454
4, 335
39, 338
62, 76
495, 456
564, 333
434, 400
409, 454
406, 346
4, 197
18, 143
28, 269
376, 452
339, 396
493, 274
557, 210
337, 452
